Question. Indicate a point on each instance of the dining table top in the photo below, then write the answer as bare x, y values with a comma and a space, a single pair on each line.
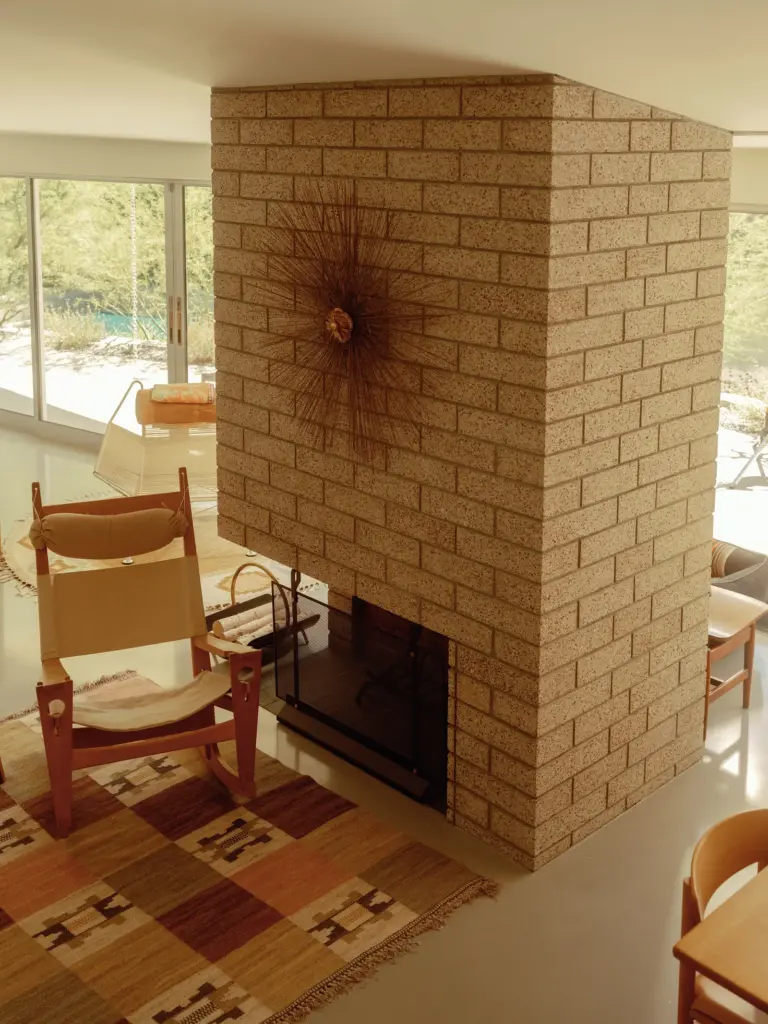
730, 945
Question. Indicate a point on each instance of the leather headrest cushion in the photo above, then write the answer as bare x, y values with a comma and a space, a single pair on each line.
79, 535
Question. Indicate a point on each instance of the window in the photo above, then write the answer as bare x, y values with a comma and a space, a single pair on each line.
88, 289
742, 470
198, 225
745, 342
102, 248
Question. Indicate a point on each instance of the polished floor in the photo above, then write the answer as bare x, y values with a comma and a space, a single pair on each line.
587, 939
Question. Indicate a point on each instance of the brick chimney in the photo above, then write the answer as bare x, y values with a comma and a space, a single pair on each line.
554, 516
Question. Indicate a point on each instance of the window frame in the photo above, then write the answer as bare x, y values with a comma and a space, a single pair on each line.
176, 296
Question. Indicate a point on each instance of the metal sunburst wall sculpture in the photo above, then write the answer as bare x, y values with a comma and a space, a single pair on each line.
341, 296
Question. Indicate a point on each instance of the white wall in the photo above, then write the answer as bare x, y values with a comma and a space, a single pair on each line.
69, 156
749, 179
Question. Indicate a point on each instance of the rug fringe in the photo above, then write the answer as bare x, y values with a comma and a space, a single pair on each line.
7, 575
83, 688
365, 965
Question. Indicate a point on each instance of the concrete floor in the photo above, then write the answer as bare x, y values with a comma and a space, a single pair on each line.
587, 939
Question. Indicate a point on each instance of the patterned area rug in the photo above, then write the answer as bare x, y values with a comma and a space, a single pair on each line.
172, 904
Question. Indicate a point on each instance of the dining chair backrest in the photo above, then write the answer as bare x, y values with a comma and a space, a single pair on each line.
724, 850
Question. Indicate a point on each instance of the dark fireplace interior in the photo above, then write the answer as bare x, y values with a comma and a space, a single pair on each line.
372, 687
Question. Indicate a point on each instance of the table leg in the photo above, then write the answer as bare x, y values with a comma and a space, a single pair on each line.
749, 662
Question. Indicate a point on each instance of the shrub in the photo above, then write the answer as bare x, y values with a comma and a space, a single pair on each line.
70, 331
200, 347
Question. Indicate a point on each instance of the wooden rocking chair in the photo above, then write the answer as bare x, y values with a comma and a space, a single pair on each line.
131, 605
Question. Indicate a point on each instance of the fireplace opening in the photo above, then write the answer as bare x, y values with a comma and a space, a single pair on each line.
372, 687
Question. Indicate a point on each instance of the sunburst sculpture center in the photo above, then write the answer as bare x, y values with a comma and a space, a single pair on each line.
339, 325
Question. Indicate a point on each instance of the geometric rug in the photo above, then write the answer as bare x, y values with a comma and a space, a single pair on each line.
171, 903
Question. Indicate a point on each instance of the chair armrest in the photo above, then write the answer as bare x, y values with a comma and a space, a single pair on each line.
239, 657
53, 672
223, 648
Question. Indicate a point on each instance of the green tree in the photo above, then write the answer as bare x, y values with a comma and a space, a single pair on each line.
88, 255
746, 294
92, 254
14, 266
198, 202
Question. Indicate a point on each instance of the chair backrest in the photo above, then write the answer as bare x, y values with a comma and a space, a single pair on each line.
724, 850
88, 611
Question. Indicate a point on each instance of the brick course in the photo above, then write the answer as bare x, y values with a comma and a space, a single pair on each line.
553, 517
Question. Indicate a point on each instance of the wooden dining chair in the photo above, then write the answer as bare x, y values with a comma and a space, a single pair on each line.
732, 625
134, 603
727, 848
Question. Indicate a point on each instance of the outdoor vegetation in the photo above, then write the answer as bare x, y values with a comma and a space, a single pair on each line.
14, 266
746, 296
103, 266
745, 345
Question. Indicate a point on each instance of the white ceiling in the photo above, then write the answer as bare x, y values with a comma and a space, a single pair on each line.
143, 69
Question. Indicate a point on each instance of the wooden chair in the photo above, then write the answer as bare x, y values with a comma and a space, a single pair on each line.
732, 624
727, 848
131, 605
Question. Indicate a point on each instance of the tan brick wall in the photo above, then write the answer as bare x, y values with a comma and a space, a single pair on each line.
554, 517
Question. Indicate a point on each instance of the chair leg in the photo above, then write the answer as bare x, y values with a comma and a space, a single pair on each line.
686, 986
245, 710
749, 664
2, 774
686, 990
57, 737
706, 691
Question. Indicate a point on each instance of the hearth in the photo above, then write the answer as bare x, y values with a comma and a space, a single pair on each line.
372, 687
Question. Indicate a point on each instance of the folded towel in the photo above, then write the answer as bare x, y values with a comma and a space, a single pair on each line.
184, 394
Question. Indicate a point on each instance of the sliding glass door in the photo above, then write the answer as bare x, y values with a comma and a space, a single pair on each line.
198, 234
101, 282
102, 252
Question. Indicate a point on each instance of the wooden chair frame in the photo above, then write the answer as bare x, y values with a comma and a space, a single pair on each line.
69, 748
719, 649
724, 850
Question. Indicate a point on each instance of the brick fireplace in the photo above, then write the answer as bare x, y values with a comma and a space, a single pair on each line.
554, 517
